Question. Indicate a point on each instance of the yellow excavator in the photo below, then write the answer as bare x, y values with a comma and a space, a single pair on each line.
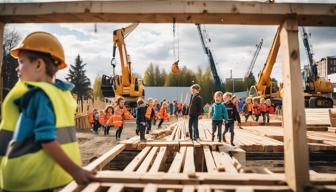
314, 87
264, 86
127, 85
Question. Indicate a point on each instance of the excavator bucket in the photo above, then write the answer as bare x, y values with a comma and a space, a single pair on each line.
107, 86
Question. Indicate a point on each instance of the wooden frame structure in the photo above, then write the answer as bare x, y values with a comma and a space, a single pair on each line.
291, 15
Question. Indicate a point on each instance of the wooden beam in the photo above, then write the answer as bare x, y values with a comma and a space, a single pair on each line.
163, 11
2, 29
159, 160
148, 161
209, 160
189, 164
135, 163
178, 161
295, 141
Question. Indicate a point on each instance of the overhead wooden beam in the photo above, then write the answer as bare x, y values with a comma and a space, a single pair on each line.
163, 11
295, 144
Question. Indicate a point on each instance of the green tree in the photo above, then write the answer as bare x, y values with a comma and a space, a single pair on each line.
78, 77
250, 80
149, 76
97, 92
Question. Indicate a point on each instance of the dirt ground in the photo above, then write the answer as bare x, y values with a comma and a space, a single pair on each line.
92, 146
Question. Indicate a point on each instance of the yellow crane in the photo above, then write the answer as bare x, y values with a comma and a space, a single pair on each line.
127, 84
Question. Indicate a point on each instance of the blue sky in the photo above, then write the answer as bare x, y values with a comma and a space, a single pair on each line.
232, 45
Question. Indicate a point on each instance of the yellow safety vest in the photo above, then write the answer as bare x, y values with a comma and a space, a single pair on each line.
28, 167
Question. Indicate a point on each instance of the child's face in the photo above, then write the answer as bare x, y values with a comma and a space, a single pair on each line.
218, 98
150, 103
122, 103
26, 69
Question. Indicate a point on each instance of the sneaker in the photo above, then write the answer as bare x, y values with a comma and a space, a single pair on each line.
198, 140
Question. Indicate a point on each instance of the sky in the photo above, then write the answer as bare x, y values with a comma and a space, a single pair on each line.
232, 45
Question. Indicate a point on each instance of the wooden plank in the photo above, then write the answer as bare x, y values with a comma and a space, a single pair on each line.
295, 146
150, 188
226, 160
176, 165
209, 160
92, 187
188, 188
220, 12
189, 163
134, 164
148, 160
159, 160
116, 188
103, 160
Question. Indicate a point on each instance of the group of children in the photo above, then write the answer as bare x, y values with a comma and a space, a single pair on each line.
115, 114
224, 112
256, 108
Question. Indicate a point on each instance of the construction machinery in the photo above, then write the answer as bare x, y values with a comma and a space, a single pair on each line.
254, 58
315, 88
264, 86
127, 85
204, 40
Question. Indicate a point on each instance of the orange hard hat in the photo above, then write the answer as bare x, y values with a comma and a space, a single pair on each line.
41, 42
175, 68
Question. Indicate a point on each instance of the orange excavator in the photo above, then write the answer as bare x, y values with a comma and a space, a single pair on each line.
127, 85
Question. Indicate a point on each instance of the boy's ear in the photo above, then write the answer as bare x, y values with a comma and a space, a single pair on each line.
40, 65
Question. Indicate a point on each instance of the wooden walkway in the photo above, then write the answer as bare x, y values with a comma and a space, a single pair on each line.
170, 161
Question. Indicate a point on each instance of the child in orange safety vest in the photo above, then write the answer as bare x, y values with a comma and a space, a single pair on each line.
109, 120
150, 114
102, 120
263, 109
248, 108
163, 114
120, 114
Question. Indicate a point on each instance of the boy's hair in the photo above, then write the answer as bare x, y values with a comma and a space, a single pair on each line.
228, 94
119, 99
140, 101
149, 99
218, 94
50, 61
196, 86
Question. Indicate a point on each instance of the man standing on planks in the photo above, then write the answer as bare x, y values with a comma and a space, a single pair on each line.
195, 110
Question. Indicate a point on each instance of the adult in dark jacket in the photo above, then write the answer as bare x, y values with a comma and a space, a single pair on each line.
195, 110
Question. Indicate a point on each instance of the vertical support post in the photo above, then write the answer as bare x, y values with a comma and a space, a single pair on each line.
2, 29
294, 120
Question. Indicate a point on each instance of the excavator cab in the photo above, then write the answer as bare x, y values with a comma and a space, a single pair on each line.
107, 86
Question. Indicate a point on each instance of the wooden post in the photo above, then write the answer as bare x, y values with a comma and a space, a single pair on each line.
295, 140
2, 29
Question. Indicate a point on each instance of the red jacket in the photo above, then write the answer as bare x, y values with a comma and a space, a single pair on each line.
256, 109
263, 107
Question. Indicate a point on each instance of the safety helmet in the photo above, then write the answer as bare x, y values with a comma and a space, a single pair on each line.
41, 42
175, 68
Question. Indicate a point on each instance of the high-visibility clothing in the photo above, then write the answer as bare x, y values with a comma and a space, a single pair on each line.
120, 115
109, 118
90, 117
148, 113
26, 166
102, 118
163, 114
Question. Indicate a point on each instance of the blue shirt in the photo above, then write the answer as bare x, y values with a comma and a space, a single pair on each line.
218, 111
37, 117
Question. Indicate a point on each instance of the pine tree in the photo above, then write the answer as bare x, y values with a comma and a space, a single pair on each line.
149, 76
250, 80
78, 77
